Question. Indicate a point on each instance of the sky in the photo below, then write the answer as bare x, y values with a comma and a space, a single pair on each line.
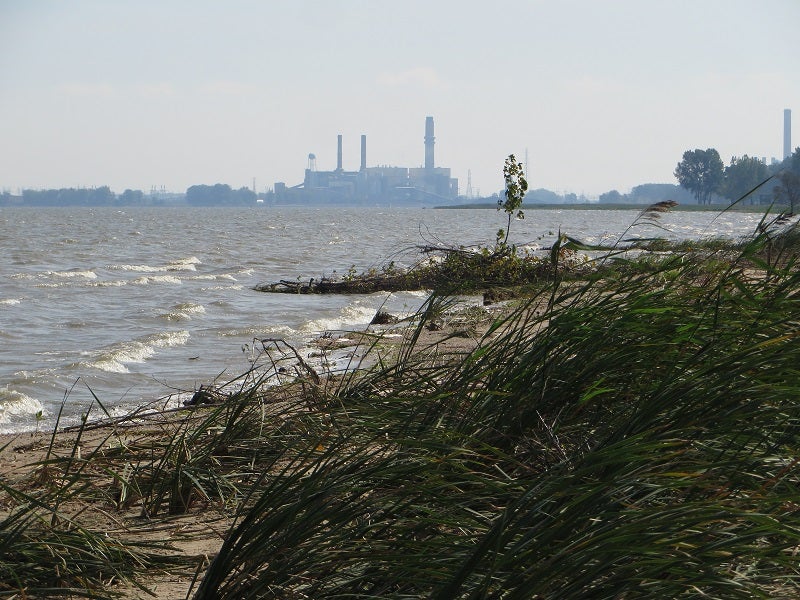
592, 95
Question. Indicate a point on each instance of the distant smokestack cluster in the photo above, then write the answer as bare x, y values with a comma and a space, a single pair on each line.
787, 133
386, 183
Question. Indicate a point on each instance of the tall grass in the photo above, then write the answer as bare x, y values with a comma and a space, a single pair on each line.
630, 433
634, 435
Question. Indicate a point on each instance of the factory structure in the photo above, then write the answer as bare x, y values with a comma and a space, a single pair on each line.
428, 184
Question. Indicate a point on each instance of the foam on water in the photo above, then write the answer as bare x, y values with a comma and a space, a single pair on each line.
114, 358
10, 301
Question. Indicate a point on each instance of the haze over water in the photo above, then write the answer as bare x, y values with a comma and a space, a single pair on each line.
138, 304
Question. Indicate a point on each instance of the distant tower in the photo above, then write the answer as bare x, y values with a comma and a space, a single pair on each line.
312, 162
339, 153
429, 143
787, 133
363, 153
469, 183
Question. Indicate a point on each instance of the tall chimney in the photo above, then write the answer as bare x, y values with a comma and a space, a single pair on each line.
339, 153
429, 142
787, 133
363, 153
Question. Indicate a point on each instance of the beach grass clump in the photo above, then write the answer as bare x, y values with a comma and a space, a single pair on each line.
625, 436
47, 548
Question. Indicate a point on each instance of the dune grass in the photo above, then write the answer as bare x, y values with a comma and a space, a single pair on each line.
635, 435
630, 433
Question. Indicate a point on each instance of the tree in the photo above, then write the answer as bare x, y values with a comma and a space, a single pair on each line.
131, 197
788, 192
511, 202
612, 197
219, 194
742, 176
701, 172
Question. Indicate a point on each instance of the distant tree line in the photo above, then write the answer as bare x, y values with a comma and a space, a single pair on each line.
219, 194
197, 195
69, 196
648, 193
703, 173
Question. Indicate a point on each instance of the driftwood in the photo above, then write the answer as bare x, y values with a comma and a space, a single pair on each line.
206, 395
355, 285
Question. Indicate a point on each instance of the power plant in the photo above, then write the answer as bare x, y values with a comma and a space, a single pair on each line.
370, 185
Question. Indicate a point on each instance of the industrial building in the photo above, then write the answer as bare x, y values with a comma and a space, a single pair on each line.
373, 185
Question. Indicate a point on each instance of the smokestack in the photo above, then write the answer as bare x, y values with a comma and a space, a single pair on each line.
429, 142
363, 153
787, 133
339, 152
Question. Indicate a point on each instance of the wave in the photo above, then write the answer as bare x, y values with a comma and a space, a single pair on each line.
183, 312
10, 301
182, 264
352, 314
114, 358
15, 405
113, 283
254, 332
214, 288
211, 277
76, 274
71, 274
157, 279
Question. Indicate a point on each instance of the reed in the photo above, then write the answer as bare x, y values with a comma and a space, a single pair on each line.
631, 435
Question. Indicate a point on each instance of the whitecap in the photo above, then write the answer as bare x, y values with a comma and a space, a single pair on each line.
10, 301
114, 358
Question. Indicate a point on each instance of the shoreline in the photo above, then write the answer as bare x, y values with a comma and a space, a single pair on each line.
197, 534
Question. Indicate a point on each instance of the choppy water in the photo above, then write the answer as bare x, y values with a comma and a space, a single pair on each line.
138, 304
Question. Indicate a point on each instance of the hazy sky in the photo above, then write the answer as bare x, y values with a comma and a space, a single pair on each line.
601, 94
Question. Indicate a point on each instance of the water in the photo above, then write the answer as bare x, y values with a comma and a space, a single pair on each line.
138, 304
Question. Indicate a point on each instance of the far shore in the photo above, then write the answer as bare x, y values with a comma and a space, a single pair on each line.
754, 208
